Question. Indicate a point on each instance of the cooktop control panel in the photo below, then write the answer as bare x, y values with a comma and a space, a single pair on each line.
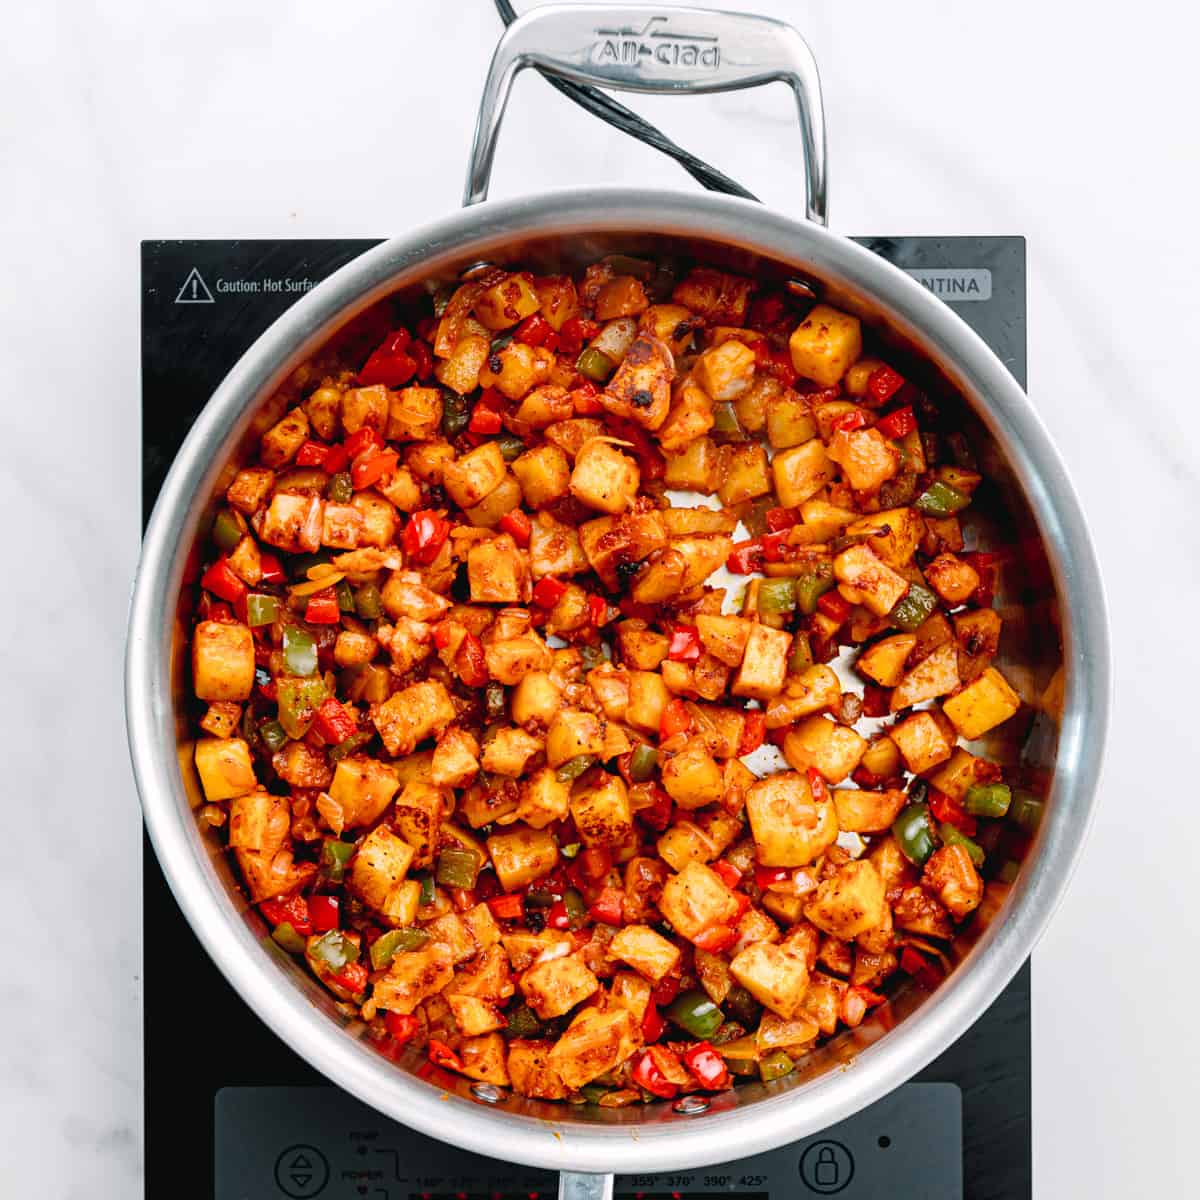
296, 1143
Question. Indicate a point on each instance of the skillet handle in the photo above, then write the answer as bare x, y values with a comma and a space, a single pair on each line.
573, 1185
642, 48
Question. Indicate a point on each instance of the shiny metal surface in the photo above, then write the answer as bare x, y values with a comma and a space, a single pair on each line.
640, 48
855, 1068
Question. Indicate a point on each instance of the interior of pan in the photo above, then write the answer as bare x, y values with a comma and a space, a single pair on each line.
1031, 654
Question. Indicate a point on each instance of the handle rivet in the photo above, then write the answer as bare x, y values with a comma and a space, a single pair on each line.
489, 1093
690, 1106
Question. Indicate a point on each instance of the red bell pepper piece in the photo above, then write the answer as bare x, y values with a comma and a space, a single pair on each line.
597, 611
882, 384
215, 610
685, 644
363, 439
508, 907
353, 977
548, 591
707, 1065
608, 907
471, 661
312, 454
533, 331
818, 786
485, 420
876, 701
665, 990
754, 732
272, 569
781, 518
657, 815
728, 873
322, 609
325, 913
920, 968
635, 610
402, 1026
653, 1024
293, 910
848, 422
766, 876
834, 605
558, 917
586, 399
948, 809
897, 424
441, 634
388, 363
647, 1075
595, 862
780, 366
716, 938
370, 467
442, 1056
420, 353
338, 459
221, 581
675, 719
518, 526
424, 536
574, 333
333, 722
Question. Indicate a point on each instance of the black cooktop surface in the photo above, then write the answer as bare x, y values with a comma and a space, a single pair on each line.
231, 1112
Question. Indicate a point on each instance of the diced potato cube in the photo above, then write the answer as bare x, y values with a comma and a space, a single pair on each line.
419, 812
800, 472
516, 369
693, 468
689, 419
648, 696
602, 812
868, 460
717, 296
498, 571
414, 414
507, 752
962, 771
363, 788
474, 475
951, 876
724, 637
640, 390
455, 759
531, 1071
685, 842
629, 538
341, 527
412, 715
825, 344
259, 823
544, 799
508, 302
645, 950
814, 690
294, 523
867, 812
222, 718
595, 1042
819, 742
622, 296
850, 902
935, 675
789, 420
281, 442
555, 987
743, 472
413, 977
896, 547
952, 578
790, 827
377, 874
485, 1057
378, 526
573, 733
222, 661
544, 475
725, 371
692, 778
250, 488
604, 478
922, 741
522, 856
866, 579
978, 636
365, 408
775, 976
460, 372
764, 663
884, 661
982, 705
225, 768
695, 900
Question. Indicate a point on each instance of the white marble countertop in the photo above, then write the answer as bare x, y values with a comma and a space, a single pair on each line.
136, 120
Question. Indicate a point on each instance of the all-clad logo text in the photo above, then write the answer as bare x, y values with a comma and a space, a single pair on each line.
655, 45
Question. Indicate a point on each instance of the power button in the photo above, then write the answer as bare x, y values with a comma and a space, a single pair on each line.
826, 1167
301, 1171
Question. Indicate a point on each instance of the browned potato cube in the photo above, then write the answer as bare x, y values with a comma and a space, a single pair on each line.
868, 460
460, 372
222, 661
604, 478
648, 696
866, 579
775, 976
455, 759
867, 812
951, 876
250, 488
645, 951
743, 471
954, 580
790, 827
825, 344
717, 296
922, 741
800, 472
764, 663
342, 526
978, 636
725, 371
498, 571
507, 751
378, 526
789, 420
544, 799
362, 788
281, 442
818, 742
485, 1057
694, 468
596, 1041
378, 873
515, 370
474, 475
850, 902
904, 531
294, 523
933, 676
640, 390
412, 715
695, 900
692, 778
690, 417
962, 771
816, 689
224, 767
602, 812
222, 718
555, 987
531, 1071
724, 637
522, 856
641, 649
413, 977
544, 475
884, 661
420, 809
573, 733
982, 705
414, 414
365, 408
554, 548
628, 538
508, 302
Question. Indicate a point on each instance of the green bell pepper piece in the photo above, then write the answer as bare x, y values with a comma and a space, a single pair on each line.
335, 854
334, 949
742, 1006
523, 1022
298, 565
776, 596
571, 850
576, 909
574, 767
354, 743
299, 651
458, 867
726, 424
368, 602
261, 610
428, 890
810, 588
741, 1066
801, 657
395, 941
345, 597
341, 488
593, 1093
775, 1066
273, 734
494, 702
285, 935
642, 763
226, 532
695, 1012
942, 500
299, 700
913, 608
510, 445
595, 365
1026, 810
952, 836
988, 799
914, 834
456, 415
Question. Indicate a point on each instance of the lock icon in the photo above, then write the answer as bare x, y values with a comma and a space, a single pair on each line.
826, 1173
